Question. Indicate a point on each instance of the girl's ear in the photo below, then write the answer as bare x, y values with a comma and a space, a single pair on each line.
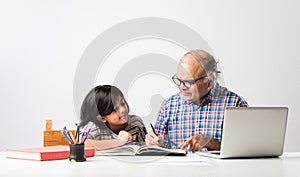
100, 118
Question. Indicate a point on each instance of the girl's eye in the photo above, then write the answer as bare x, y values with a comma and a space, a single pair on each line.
122, 102
116, 109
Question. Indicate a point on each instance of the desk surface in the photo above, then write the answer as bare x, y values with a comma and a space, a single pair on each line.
287, 165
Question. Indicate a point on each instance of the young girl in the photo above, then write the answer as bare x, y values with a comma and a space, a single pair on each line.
105, 111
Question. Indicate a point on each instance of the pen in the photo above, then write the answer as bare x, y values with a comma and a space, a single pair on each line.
153, 129
66, 136
71, 137
85, 137
82, 138
77, 134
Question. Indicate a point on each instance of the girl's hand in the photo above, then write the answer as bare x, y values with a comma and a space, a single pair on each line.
123, 137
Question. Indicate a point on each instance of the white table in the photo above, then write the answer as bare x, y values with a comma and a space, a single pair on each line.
286, 166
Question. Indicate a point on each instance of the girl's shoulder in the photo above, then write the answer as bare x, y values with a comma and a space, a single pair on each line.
98, 132
135, 120
93, 126
89, 125
134, 117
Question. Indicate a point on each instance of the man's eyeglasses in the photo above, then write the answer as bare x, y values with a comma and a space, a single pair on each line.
186, 83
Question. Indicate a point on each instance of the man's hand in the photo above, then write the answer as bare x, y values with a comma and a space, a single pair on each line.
196, 142
152, 139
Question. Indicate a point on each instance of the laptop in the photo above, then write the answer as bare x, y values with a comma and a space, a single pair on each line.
252, 132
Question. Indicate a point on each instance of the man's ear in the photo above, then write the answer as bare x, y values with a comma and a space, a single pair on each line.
100, 118
210, 83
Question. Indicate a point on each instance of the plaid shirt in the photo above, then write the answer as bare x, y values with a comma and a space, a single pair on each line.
135, 127
181, 119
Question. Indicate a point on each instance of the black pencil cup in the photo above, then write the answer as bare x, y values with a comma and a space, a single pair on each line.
77, 153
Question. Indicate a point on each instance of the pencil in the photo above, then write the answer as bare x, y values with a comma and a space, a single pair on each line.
77, 134
153, 129
71, 137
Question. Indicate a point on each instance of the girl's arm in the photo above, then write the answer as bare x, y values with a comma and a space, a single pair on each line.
103, 144
122, 138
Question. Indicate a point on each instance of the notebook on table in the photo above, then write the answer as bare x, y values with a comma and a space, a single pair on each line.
252, 132
44, 153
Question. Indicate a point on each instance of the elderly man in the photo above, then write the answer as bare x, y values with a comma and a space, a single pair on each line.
194, 117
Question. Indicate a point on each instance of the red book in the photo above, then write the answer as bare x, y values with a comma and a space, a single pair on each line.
44, 153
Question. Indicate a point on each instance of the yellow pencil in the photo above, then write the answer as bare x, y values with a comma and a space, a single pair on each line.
72, 138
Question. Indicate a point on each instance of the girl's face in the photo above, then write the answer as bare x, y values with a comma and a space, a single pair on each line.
119, 116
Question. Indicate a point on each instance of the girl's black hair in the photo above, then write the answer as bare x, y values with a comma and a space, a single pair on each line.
100, 100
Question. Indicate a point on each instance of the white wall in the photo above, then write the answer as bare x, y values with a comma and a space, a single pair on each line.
41, 43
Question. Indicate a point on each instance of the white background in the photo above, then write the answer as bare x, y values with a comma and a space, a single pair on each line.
41, 42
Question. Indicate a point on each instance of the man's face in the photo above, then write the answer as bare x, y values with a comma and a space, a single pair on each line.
189, 69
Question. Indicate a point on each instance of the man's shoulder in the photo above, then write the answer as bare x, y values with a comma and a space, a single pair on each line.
230, 95
224, 91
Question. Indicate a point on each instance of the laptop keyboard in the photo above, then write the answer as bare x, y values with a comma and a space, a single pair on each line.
215, 152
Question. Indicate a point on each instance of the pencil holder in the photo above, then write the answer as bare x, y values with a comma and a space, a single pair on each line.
77, 153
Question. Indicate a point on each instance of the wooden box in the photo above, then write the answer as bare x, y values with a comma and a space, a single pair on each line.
54, 137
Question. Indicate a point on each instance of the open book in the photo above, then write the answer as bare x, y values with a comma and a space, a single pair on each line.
144, 150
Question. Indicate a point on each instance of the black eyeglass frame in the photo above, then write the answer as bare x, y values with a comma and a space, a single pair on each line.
184, 82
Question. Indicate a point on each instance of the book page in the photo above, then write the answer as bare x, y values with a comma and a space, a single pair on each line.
144, 150
121, 150
159, 151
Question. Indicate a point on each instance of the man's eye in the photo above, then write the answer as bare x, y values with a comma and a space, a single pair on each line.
187, 82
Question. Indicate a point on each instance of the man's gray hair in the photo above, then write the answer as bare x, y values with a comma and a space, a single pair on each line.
207, 61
